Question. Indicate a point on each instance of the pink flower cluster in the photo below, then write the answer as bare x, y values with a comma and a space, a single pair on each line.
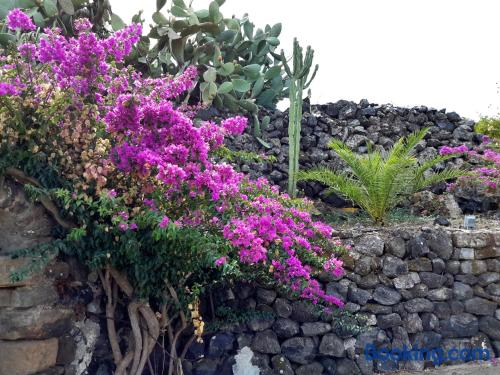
83, 63
487, 175
447, 150
158, 145
18, 20
8, 89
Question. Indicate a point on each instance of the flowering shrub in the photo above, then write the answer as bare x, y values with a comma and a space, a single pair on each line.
485, 165
136, 175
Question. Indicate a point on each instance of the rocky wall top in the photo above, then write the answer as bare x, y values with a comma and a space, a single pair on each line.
357, 125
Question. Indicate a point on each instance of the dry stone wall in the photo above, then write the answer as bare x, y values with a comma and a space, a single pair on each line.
38, 330
423, 287
357, 124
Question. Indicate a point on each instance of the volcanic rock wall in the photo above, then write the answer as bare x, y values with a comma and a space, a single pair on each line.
357, 125
421, 288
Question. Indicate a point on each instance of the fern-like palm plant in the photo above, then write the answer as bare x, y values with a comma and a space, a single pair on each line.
377, 182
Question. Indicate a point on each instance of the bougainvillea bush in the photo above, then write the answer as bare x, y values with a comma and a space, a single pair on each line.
484, 163
137, 189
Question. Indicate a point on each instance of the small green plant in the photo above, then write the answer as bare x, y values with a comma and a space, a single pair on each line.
377, 182
489, 126
298, 83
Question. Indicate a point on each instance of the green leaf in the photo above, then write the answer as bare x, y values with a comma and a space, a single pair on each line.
136, 18
208, 91
160, 19
202, 13
210, 75
160, 4
244, 47
178, 11
25, 4
180, 3
177, 48
263, 143
38, 19
241, 85
248, 29
249, 106
225, 88
230, 103
220, 2
252, 71
266, 98
193, 29
213, 10
50, 7
265, 122
116, 22
273, 41
226, 36
226, 69
273, 72
261, 48
275, 30
218, 101
67, 7
233, 24
5, 39
257, 87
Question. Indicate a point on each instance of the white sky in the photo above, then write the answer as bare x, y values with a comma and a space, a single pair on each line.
439, 53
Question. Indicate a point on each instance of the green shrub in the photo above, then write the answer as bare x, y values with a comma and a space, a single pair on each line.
377, 182
489, 126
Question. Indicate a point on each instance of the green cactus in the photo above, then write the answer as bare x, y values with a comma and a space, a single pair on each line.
239, 69
298, 83
62, 13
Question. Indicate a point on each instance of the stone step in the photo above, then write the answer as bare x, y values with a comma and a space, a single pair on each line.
27, 357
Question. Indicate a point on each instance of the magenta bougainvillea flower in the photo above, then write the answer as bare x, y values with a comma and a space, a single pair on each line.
155, 143
18, 20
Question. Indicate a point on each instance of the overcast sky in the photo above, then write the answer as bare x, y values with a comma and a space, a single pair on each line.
439, 53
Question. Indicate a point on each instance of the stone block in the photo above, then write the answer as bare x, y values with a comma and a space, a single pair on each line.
34, 323
27, 357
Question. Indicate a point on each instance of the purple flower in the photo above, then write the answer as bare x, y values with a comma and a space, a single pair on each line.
17, 19
235, 125
123, 226
8, 89
219, 262
27, 50
133, 226
164, 222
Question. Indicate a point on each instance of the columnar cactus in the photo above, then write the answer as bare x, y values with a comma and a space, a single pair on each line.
298, 82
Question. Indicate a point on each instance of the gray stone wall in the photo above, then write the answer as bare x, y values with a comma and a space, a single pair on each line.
357, 125
419, 287
39, 329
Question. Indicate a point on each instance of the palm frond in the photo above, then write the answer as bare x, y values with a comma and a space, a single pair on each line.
437, 177
377, 183
336, 182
